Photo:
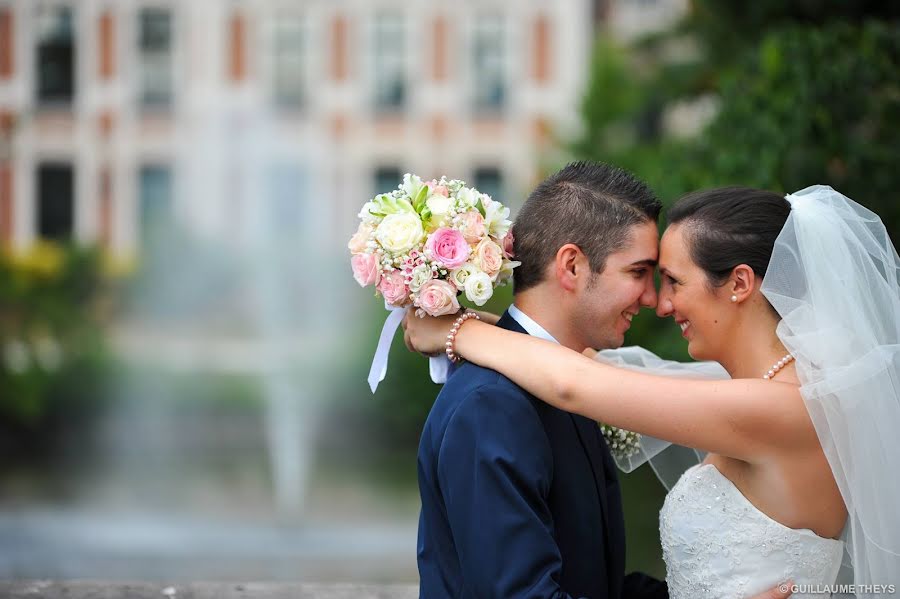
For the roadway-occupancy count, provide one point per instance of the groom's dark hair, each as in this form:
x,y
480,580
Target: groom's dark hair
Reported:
x,y
590,204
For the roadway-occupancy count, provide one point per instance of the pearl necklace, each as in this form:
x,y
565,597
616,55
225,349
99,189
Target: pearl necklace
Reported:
x,y
777,366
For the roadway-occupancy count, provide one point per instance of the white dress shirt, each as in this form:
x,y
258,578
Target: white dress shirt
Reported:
x,y
530,326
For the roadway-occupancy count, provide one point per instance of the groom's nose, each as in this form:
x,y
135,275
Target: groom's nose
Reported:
x,y
649,297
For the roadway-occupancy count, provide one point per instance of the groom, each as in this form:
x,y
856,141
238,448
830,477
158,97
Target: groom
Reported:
x,y
520,499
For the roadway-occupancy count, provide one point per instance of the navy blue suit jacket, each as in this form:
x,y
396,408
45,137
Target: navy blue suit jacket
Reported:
x,y
519,499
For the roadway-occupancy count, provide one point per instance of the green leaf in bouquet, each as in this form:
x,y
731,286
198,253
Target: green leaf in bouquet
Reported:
x,y
386,204
479,205
421,197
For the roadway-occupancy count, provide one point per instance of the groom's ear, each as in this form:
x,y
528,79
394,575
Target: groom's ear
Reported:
x,y
569,265
743,282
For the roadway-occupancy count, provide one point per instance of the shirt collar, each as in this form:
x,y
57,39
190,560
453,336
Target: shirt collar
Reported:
x,y
530,326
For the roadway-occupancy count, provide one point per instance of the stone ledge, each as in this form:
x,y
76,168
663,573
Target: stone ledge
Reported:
x,y
96,589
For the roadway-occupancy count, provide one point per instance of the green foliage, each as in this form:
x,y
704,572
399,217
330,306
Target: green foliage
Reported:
x,y
54,301
814,105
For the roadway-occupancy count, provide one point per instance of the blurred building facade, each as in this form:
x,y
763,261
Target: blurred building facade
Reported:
x,y
107,107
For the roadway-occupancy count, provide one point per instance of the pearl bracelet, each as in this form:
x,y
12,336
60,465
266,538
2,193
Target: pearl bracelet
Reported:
x,y
451,336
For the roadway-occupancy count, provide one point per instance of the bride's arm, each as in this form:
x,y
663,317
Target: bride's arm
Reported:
x,y
488,317
747,419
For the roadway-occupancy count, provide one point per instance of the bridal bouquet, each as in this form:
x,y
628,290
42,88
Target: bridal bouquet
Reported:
x,y
425,244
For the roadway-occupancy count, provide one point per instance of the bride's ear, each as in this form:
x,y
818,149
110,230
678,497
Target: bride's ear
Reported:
x,y
741,284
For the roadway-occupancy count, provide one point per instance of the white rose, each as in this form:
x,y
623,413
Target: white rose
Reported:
x,y
459,275
479,288
420,275
438,205
399,233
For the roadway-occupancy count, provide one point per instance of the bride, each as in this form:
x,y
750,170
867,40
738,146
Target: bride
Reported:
x,y
798,299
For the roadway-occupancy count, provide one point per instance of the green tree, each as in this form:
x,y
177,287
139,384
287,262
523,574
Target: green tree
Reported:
x,y
54,302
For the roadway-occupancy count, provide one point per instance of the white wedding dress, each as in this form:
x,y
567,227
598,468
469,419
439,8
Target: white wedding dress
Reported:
x,y
717,544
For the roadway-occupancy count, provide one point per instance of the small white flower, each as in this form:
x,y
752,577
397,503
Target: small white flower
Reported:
x,y
411,185
496,219
420,275
479,288
623,444
466,197
506,272
365,214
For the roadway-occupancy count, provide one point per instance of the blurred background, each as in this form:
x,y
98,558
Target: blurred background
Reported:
x,y
183,352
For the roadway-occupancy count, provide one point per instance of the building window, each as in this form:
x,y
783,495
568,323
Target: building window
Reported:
x,y
155,55
387,178
289,57
489,180
390,68
56,201
489,64
55,55
155,206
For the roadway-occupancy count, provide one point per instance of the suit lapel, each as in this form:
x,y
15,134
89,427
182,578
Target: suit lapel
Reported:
x,y
590,441
587,433
588,437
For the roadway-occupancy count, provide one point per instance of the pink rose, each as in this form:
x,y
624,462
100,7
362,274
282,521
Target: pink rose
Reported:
x,y
449,247
508,243
473,226
437,298
360,239
393,287
365,269
489,258
436,189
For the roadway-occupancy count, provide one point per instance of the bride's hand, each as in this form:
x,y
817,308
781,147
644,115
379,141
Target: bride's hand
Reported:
x,y
782,591
427,335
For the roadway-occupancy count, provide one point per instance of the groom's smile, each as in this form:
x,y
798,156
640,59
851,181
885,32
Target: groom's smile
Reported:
x,y
615,295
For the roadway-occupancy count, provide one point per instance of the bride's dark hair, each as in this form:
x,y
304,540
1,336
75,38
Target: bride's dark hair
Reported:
x,y
729,226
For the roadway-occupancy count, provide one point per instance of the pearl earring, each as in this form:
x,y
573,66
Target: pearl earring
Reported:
x,y
733,298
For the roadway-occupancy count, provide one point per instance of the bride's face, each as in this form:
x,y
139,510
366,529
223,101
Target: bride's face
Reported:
x,y
704,313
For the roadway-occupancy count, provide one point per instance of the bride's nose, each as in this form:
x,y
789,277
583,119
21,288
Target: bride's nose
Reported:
x,y
664,306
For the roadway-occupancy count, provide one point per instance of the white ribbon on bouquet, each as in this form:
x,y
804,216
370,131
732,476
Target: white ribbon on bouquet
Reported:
x,y
438,366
